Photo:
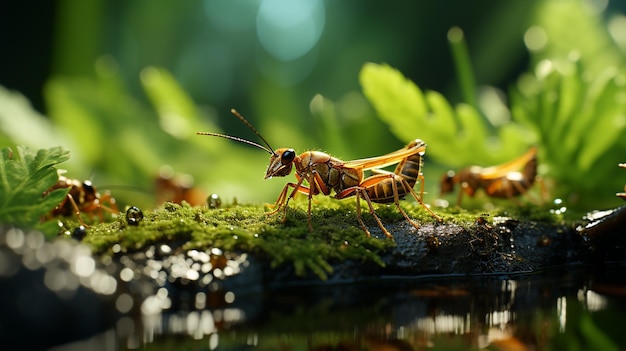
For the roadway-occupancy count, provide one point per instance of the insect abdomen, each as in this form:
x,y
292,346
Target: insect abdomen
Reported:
x,y
410,169
406,174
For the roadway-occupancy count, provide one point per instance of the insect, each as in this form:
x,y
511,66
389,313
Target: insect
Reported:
x,y
177,188
502,181
324,173
82,198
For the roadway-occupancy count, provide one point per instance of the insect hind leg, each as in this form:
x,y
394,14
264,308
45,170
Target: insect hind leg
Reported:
x,y
358,192
419,198
363,192
396,198
76,209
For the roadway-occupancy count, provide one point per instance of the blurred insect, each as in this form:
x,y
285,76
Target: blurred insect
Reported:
x,y
82,198
177,188
324,173
502,181
622,195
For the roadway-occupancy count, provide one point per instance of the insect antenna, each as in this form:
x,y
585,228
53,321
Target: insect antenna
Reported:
x,y
268,149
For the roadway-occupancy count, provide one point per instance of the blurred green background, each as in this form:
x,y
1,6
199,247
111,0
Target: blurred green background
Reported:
x,y
124,85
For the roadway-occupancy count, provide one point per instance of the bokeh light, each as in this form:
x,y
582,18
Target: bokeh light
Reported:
x,y
289,29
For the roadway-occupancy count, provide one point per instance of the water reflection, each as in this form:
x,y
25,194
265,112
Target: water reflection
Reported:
x,y
551,310
168,297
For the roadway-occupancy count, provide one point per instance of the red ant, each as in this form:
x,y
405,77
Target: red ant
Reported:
x,y
82,198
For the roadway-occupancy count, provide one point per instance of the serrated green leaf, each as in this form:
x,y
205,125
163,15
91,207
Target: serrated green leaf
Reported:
x,y
398,101
391,89
579,117
442,121
458,136
470,121
24,177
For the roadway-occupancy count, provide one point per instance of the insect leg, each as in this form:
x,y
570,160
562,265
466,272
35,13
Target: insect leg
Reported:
x,y
371,207
283,200
359,191
459,197
70,198
419,198
358,214
111,205
396,197
102,203
316,185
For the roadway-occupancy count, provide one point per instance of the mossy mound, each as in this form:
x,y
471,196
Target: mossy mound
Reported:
x,y
336,238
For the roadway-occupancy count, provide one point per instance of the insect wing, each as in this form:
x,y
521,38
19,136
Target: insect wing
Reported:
x,y
502,170
389,159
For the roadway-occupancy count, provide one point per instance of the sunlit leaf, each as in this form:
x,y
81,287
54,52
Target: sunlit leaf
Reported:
x,y
178,114
456,136
578,117
589,39
22,124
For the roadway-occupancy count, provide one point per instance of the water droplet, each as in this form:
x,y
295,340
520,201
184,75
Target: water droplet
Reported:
x,y
79,233
214,201
134,215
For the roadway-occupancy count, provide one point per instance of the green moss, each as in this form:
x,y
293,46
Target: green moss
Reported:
x,y
250,229
336,235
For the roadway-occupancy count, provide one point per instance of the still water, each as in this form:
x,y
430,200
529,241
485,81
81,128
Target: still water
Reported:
x,y
578,308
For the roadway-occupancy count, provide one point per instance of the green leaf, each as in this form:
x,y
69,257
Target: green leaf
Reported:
x,y
22,124
578,118
398,101
177,112
457,136
24,178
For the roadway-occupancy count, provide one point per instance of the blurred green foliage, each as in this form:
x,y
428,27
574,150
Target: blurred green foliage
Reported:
x,y
577,121
127,141
573,109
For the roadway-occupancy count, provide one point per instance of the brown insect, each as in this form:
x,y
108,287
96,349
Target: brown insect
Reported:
x,y
82,198
502,181
177,188
324,173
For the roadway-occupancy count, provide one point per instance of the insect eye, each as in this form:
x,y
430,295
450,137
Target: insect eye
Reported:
x,y
87,186
287,156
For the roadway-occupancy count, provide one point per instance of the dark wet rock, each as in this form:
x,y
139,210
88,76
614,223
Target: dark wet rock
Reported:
x,y
506,246
603,232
